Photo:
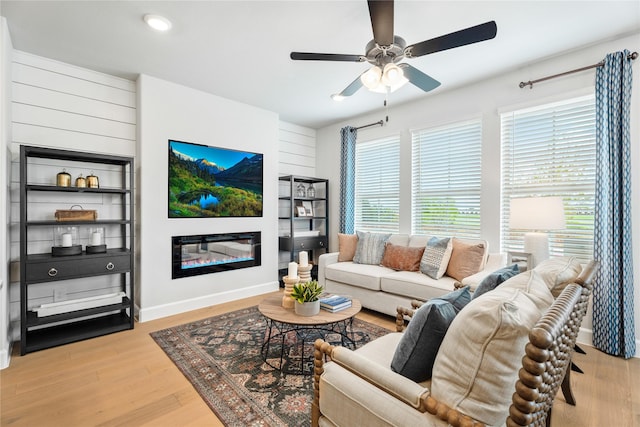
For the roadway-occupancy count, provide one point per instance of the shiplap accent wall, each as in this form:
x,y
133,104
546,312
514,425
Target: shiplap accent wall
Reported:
x,y
296,150
58,105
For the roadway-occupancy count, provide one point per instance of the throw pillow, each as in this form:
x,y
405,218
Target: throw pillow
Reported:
x,y
346,246
490,282
436,257
420,342
370,247
402,258
559,272
477,365
465,259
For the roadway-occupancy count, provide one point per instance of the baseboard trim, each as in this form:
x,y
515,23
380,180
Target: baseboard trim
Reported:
x,y
165,310
585,336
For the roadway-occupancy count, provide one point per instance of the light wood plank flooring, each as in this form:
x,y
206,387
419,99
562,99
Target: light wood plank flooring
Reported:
x,y
125,379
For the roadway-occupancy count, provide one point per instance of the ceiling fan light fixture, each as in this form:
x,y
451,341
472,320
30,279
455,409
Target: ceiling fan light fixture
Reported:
x,y
157,22
371,78
337,97
393,76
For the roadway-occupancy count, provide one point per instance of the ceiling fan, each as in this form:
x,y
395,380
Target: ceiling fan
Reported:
x,y
386,50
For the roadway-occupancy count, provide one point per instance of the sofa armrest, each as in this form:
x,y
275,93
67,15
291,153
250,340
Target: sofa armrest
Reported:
x,y
397,386
494,262
323,261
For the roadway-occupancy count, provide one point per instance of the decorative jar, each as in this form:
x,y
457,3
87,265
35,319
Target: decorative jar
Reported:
x,y
63,179
65,241
301,191
96,240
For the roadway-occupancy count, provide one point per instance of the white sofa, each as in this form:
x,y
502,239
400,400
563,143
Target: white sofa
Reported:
x,y
383,289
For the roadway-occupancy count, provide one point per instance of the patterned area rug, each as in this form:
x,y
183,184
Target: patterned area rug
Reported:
x,y
221,356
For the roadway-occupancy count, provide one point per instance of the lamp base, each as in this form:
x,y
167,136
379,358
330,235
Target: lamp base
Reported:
x,y
537,244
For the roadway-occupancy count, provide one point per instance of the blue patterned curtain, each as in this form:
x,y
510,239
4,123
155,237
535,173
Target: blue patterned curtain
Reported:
x,y
613,318
348,137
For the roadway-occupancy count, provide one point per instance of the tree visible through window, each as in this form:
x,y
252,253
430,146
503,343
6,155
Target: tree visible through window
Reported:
x,y
550,151
446,180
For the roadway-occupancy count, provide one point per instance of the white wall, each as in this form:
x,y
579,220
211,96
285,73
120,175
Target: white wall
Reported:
x,y
58,105
296,150
6,50
487,99
170,111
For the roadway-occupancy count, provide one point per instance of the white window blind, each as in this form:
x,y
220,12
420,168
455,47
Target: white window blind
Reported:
x,y
550,151
446,180
377,193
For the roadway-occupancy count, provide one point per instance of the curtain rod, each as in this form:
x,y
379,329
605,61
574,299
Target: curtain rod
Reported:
x,y
530,83
379,122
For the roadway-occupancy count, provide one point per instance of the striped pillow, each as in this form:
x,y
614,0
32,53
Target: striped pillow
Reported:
x,y
370,247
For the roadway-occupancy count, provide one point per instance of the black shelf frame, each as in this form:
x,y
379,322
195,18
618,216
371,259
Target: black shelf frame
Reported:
x,y
38,333
293,244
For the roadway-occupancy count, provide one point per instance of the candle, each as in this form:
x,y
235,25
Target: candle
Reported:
x,y
293,269
95,238
66,240
304,259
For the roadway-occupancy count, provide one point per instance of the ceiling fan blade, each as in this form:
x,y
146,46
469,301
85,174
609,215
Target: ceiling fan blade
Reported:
x,y
464,37
381,13
351,89
418,78
308,56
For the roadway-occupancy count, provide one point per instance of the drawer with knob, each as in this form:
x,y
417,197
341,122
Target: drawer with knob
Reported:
x,y
303,243
43,268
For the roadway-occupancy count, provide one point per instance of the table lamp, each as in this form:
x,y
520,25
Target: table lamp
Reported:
x,y
538,214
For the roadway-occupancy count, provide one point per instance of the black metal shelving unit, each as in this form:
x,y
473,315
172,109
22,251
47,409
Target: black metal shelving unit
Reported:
x,y
293,242
38,333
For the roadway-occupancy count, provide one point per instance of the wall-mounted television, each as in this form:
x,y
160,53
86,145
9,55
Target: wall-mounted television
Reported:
x,y
209,181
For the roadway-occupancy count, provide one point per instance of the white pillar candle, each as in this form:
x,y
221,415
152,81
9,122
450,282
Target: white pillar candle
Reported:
x,y
293,269
304,259
66,240
95,238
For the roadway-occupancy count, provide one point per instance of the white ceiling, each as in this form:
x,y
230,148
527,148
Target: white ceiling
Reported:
x,y
240,49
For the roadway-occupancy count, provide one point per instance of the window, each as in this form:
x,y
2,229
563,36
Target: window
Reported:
x,y
550,151
378,185
446,180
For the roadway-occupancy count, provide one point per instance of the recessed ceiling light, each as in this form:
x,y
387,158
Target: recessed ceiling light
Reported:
x,y
157,22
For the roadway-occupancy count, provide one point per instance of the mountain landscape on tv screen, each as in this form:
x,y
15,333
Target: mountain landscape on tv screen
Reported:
x,y
200,187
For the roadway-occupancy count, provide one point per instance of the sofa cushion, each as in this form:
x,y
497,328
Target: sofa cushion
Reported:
x,y
359,275
559,272
370,247
399,239
490,282
466,259
403,258
415,285
436,257
347,244
477,365
416,352
419,240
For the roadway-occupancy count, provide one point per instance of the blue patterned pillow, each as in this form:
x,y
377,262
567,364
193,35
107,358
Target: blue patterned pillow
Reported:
x,y
416,352
492,281
436,257
370,247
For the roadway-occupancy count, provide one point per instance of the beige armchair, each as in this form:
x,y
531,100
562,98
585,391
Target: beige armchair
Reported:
x,y
358,388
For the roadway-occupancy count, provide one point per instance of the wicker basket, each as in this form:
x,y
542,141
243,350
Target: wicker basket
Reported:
x,y
76,214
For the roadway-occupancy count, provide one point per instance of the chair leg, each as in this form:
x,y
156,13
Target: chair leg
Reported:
x,y
566,388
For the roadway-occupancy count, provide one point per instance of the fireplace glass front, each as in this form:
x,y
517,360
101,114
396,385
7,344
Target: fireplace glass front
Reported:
x,y
212,253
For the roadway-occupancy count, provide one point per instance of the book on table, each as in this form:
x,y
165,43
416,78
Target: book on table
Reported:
x,y
331,302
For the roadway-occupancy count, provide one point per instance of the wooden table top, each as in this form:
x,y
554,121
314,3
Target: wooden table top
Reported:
x,y
272,308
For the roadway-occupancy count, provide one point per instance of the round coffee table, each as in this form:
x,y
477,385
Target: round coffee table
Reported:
x,y
287,333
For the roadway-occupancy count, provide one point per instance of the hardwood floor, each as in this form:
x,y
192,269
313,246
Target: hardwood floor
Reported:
x,y
125,379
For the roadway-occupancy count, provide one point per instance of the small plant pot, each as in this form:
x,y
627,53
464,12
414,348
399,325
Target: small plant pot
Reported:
x,y
307,308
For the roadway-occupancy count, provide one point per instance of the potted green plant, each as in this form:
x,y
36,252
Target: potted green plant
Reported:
x,y
306,296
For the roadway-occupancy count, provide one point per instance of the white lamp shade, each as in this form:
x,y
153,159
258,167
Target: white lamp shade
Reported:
x,y
371,77
537,213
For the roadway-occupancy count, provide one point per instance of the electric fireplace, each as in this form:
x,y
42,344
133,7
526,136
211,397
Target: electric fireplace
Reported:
x,y
212,253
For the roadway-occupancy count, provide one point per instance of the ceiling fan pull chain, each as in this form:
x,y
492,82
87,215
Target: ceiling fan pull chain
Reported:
x,y
386,105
